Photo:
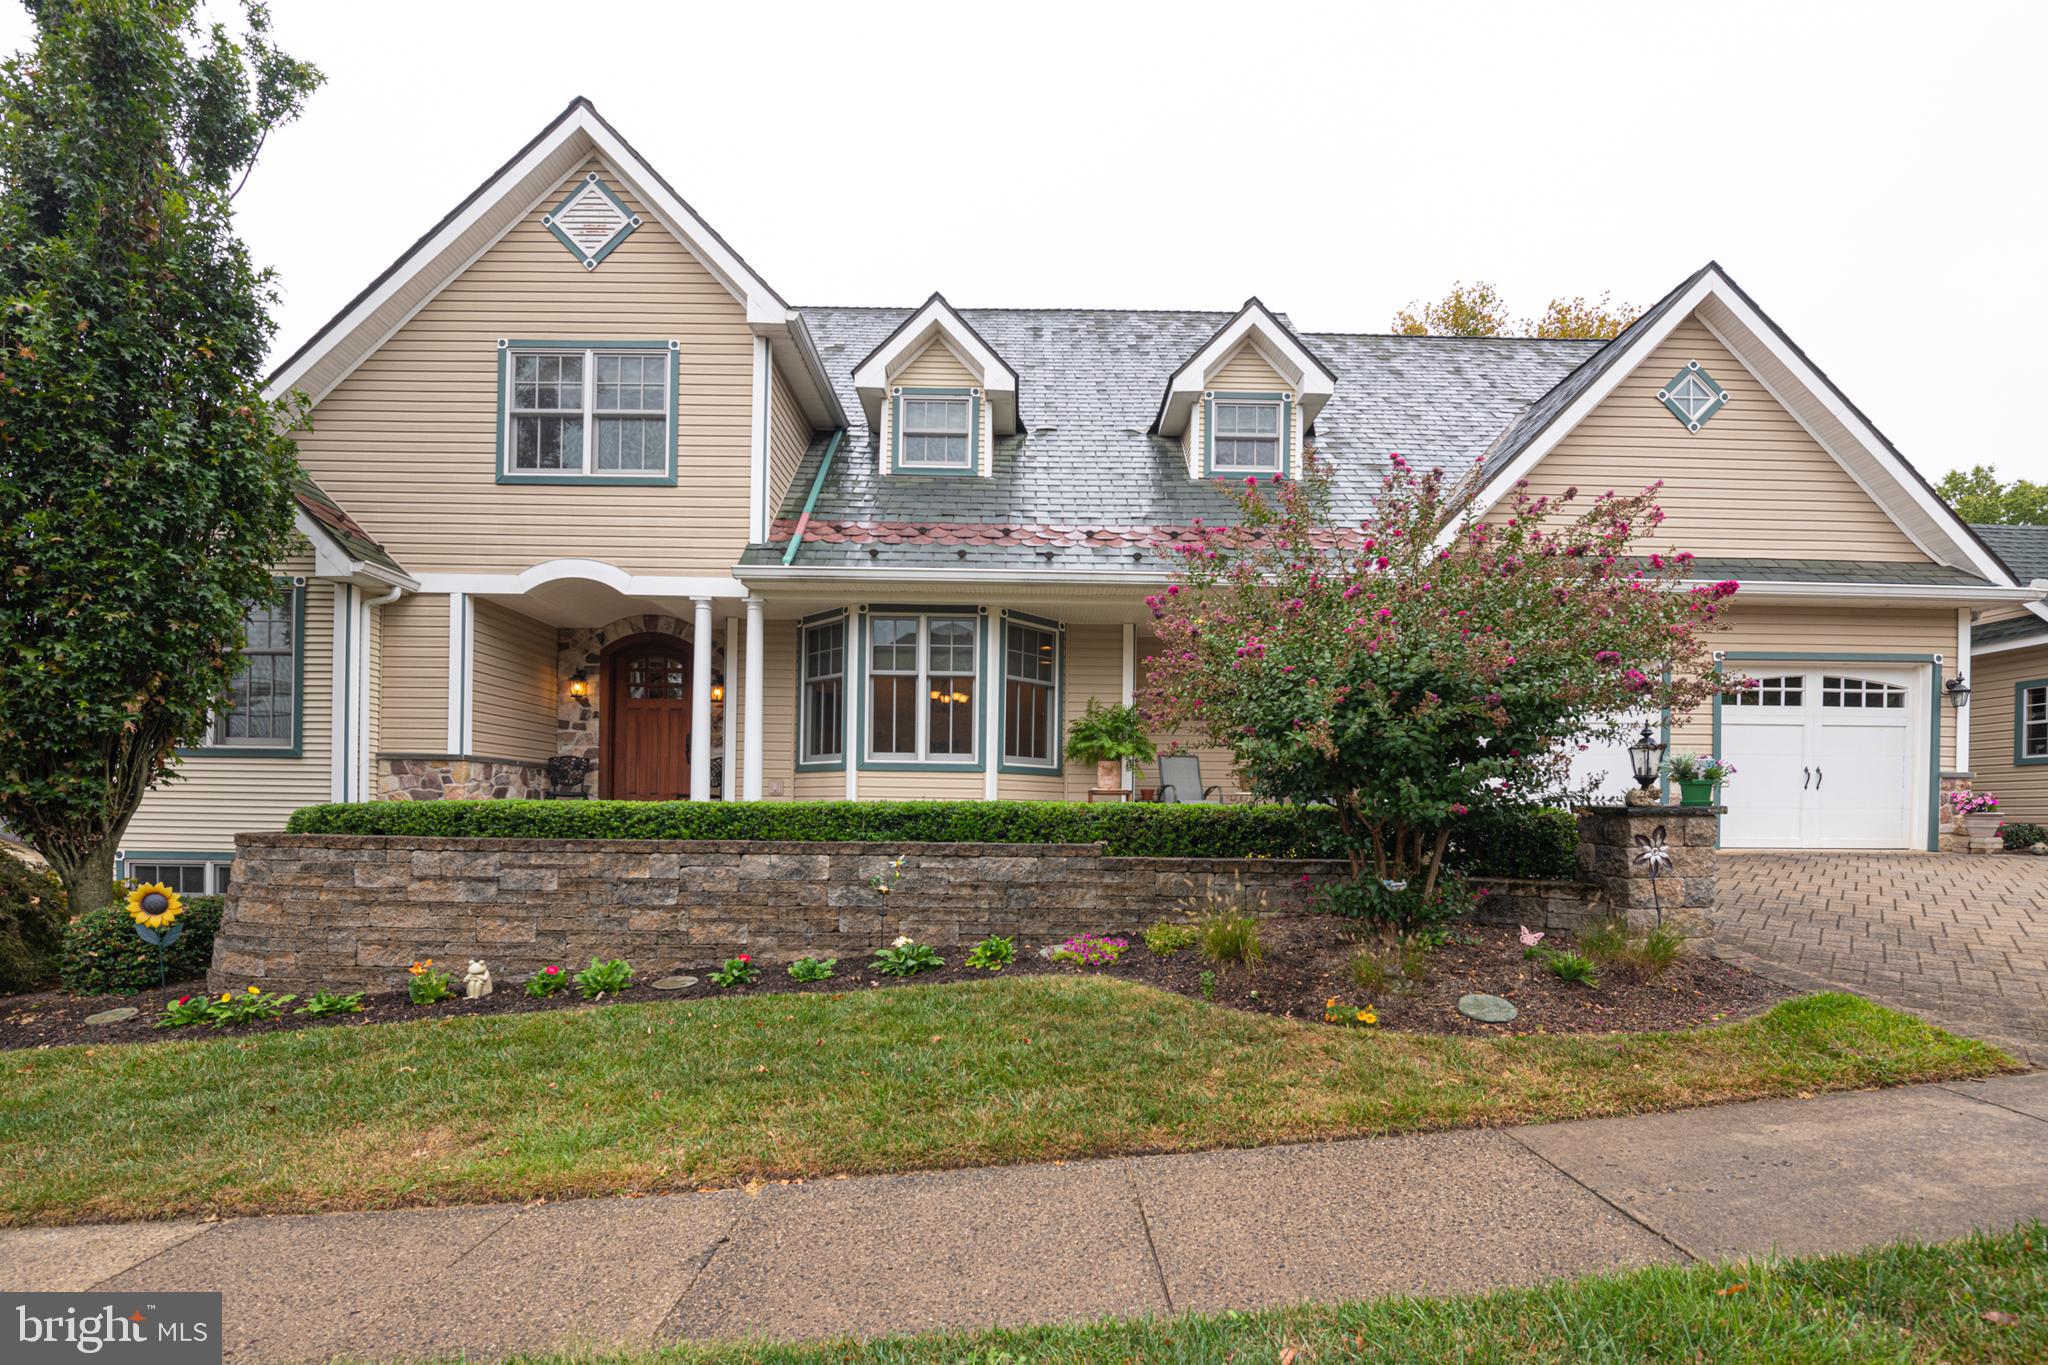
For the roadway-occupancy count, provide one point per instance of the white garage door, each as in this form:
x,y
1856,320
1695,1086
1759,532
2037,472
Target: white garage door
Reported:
x,y
1827,758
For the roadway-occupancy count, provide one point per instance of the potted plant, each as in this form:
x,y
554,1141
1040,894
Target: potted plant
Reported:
x,y
1109,737
1979,813
1697,775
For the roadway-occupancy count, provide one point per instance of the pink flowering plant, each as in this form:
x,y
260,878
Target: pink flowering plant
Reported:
x,y
545,982
1972,803
1423,664
1090,950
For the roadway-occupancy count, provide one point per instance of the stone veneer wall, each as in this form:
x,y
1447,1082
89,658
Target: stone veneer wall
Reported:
x,y
310,911
1609,853
431,778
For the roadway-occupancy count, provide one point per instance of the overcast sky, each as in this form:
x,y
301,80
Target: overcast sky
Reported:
x,y
1871,173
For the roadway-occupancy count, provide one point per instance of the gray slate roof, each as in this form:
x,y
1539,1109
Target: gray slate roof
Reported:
x,y
1836,571
1089,388
2022,627
2023,548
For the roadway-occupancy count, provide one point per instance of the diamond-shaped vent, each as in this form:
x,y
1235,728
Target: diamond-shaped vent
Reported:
x,y
591,222
1693,396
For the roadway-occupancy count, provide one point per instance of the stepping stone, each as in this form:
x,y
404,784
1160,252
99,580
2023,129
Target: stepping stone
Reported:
x,y
120,1015
1487,1009
675,983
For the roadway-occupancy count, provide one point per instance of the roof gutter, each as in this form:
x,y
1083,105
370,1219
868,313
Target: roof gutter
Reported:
x,y
796,540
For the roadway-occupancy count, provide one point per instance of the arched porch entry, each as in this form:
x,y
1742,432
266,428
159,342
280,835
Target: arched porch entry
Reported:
x,y
646,736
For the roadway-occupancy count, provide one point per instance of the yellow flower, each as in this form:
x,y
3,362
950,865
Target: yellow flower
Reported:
x,y
254,991
1367,1017
154,905
226,996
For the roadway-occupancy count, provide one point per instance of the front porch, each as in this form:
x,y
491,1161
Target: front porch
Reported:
x,y
802,695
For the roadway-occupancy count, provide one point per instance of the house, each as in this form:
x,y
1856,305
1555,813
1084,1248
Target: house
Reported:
x,y
579,481
2009,690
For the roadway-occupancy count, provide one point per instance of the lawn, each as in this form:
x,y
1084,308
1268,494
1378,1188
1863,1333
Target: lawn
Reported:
x,y
1983,1298
680,1095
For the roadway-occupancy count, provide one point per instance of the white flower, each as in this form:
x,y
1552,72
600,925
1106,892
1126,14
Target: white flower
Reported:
x,y
902,941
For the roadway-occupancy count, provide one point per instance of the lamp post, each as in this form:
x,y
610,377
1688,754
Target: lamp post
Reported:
x,y
1645,758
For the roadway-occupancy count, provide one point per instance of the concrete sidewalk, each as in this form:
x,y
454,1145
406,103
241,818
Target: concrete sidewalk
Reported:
x,y
1434,1214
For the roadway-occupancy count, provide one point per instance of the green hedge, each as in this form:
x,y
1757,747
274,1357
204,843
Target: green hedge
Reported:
x,y
1526,844
31,924
103,953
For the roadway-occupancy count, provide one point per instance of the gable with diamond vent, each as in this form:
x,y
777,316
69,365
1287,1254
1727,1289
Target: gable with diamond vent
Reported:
x,y
1759,453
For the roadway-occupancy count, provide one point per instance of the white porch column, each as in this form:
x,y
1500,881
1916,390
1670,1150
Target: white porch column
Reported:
x,y
728,773
344,671
1130,695
756,684
700,701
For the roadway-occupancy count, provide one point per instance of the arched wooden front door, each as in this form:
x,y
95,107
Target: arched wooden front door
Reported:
x,y
646,722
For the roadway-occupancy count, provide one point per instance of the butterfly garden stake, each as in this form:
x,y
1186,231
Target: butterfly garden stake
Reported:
x,y
1652,853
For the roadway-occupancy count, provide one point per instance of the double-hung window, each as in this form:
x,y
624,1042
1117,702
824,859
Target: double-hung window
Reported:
x,y
2030,742
264,710
1031,728
824,692
935,432
1246,438
602,412
921,688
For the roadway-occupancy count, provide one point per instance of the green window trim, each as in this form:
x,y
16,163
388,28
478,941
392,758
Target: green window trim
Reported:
x,y
972,469
896,763
847,674
1209,402
297,587
1934,706
664,477
612,243
214,863
1001,673
1686,385
2020,757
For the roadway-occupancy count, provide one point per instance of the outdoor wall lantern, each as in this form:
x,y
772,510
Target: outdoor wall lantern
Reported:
x,y
579,684
718,687
1958,689
1645,758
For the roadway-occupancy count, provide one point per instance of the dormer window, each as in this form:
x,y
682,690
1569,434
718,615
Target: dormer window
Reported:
x,y
1247,437
935,433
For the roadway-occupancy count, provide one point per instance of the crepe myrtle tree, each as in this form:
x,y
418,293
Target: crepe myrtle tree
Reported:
x,y
1423,664
145,480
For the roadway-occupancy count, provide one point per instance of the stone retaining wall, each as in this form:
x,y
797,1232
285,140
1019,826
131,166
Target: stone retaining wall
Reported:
x,y
312,911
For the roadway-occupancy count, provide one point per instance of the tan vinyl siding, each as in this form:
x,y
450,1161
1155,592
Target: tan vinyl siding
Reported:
x,y
936,367
408,442
514,687
373,667
1826,630
920,786
779,777
1094,669
413,700
789,435
1246,371
1750,482
2021,789
216,797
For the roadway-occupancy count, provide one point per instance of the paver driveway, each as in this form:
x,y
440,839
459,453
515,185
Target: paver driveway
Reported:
x,y
1959,938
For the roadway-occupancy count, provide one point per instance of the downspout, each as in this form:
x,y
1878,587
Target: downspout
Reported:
x,y
387,599
796,541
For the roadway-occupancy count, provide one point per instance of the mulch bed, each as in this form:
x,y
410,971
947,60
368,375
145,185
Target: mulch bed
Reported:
x,y
1306,963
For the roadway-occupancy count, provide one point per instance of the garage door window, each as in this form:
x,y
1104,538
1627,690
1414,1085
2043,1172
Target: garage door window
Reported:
x,y
1774,692
2034,722
1861,692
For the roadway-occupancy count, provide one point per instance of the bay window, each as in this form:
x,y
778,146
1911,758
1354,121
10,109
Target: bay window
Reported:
x,y
824,693
922,681
1031,724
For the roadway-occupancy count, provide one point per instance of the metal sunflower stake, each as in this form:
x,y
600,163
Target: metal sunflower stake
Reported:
x,y
1652,853
155,909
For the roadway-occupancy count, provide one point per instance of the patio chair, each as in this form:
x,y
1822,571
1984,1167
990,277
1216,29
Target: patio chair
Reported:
x,y
1180,774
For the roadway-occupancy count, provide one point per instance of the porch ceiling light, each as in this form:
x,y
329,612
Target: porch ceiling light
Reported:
x,y
1958,690
1645,758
